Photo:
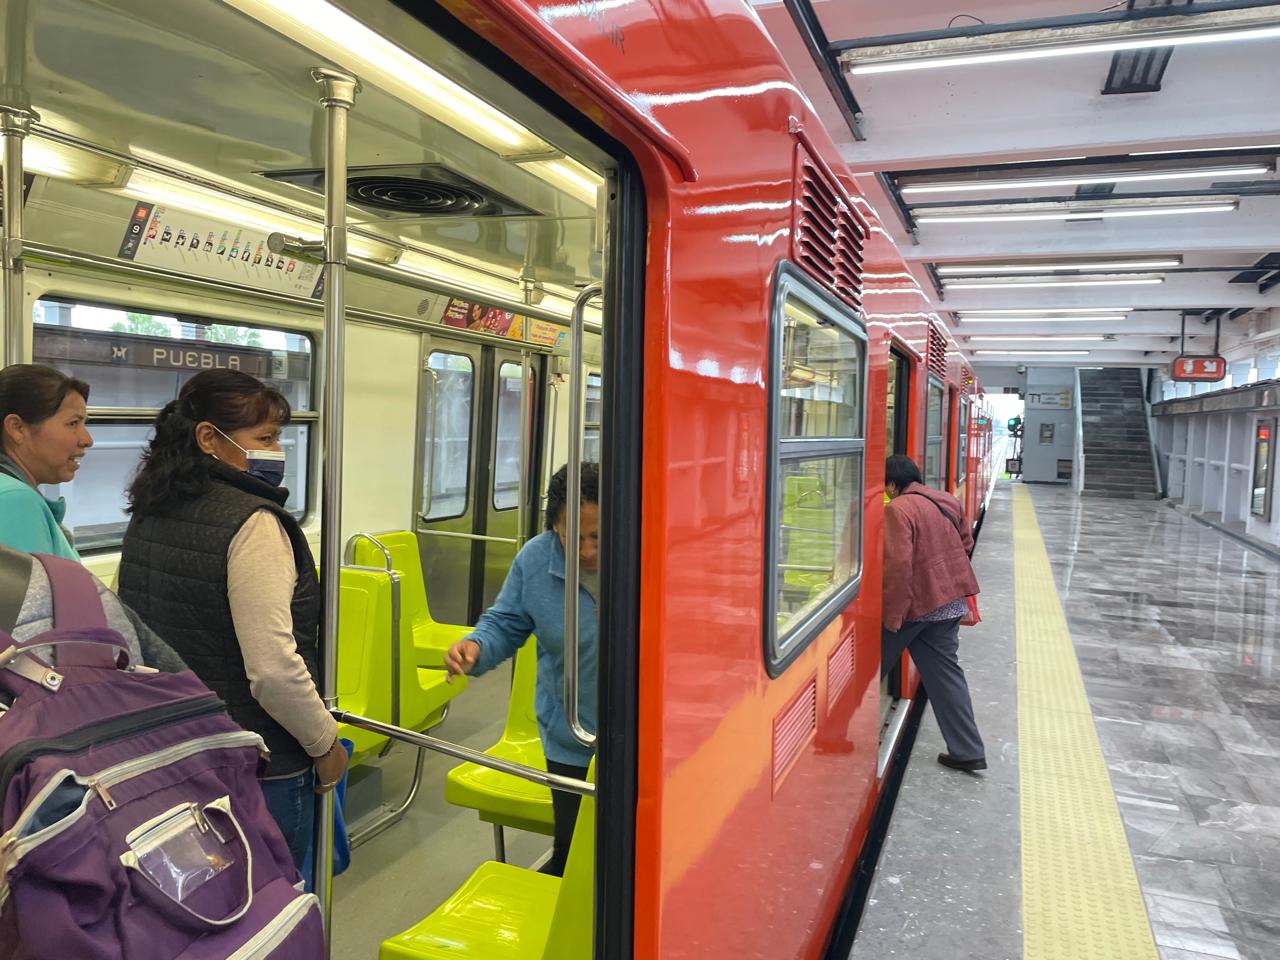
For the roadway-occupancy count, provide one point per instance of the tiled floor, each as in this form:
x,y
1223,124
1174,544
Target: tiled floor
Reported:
x,y
1177,629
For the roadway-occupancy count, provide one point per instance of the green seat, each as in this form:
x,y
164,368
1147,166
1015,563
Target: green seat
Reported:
x,y
508,913
431,640
500,798
809,523
364,661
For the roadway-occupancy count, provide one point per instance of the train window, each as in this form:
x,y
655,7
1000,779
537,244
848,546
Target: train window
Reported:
x,y
447,471
896,404
592,409
506,462
135,362
1264,445
814,525
962,441
935,437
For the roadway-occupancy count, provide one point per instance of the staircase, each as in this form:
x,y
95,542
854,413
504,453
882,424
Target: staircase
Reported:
x,y
1117,447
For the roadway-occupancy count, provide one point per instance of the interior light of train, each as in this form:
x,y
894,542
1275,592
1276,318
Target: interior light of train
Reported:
x,y
338,37
1072,180
158,188
1096,318
1135,40
61,162
987,269
1037,336
1021,284
569,175
1246,146
1164,210
1031,353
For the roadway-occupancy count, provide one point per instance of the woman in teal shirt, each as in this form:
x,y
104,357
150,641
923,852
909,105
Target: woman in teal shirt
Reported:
x,y
42,439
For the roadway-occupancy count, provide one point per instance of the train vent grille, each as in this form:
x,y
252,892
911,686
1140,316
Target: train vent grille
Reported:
x,y
839,670
793,728
937,351
829,235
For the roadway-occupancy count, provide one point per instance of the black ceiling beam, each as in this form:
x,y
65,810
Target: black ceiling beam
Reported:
x,y
1140,71
900,205
824,58
1269,282
1047,23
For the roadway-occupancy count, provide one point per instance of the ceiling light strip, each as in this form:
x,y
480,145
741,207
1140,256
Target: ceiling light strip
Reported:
x,y
1014,216
1030,183
1020,284
989,269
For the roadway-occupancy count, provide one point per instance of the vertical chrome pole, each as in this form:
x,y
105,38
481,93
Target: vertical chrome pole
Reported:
x,y
526,429
338,94
15,124
572,516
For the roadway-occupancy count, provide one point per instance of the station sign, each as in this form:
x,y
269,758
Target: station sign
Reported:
x,y
1199,369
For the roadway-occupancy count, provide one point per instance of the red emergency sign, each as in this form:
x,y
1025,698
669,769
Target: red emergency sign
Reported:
x,y
1199,369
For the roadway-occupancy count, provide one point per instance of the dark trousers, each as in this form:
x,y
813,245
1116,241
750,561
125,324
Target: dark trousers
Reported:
x,y
934,646
292,803
564,806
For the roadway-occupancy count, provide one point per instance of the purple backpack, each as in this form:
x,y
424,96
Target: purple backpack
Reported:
x,y
133,824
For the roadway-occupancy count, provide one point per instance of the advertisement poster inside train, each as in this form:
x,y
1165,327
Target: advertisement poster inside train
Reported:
x,y
546,333
162,236
468,315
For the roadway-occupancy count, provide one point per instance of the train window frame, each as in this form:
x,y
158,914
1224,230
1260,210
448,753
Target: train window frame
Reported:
x,y
1267,462
425,442
112,415
940,438
897,439
792,284
962,440
501,364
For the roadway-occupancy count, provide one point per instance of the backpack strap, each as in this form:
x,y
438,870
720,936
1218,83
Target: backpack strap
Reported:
x,y
76,606
15,577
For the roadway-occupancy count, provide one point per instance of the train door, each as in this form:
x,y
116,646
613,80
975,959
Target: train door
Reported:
x,y
935,434
897,403
473,493
961,467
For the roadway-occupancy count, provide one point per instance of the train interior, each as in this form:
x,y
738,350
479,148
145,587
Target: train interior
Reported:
x,y
171,141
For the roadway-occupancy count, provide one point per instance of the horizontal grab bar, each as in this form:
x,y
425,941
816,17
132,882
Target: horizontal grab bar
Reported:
x,y
552,780
465,536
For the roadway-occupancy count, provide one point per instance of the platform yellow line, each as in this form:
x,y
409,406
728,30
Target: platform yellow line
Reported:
x,y
1080,894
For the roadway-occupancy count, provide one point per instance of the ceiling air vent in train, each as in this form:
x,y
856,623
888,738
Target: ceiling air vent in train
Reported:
x,y
419,190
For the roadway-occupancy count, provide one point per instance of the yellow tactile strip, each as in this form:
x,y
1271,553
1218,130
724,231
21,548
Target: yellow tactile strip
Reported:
x,y
1080,894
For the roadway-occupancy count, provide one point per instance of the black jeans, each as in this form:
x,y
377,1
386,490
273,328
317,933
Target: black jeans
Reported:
x,y
564,806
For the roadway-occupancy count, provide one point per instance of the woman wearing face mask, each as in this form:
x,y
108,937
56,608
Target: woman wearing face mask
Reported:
x,y
215,564
532,602
42,438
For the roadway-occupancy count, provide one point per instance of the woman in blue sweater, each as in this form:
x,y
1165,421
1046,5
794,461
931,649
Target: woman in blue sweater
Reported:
x,y
42,439
532,602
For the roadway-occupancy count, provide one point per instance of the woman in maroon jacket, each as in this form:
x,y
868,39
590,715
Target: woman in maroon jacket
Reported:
x,y
927,576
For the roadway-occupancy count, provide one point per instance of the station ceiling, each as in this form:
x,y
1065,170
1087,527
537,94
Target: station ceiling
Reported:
x,y
1043,183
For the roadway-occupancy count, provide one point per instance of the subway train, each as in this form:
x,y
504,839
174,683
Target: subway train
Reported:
x,y
606,225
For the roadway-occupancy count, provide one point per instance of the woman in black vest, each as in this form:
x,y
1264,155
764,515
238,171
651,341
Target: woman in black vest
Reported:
x,y
215,564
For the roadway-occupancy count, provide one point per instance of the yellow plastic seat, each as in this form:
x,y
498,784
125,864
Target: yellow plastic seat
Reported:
x,y
431,640
364,665
809,521
509,913
500,798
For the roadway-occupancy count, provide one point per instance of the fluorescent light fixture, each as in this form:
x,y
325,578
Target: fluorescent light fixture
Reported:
x,y
1055,311
1087,179
1036,336
49,158
158,188
1231,26
570,176
1098,318
988,269
1020,284
1160,210
342,39
1247,146
1031,353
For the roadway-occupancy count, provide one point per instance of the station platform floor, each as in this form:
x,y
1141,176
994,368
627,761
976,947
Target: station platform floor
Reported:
x,y
1125,681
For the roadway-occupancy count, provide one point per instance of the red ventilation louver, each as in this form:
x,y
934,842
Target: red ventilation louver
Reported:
x,y
828,236
937,352
793,728
839,670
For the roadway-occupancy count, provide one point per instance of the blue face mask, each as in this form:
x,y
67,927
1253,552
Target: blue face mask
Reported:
x,y
265,465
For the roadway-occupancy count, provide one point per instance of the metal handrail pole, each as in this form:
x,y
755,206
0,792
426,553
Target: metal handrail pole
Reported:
x,y
552,781
338,92
573,510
